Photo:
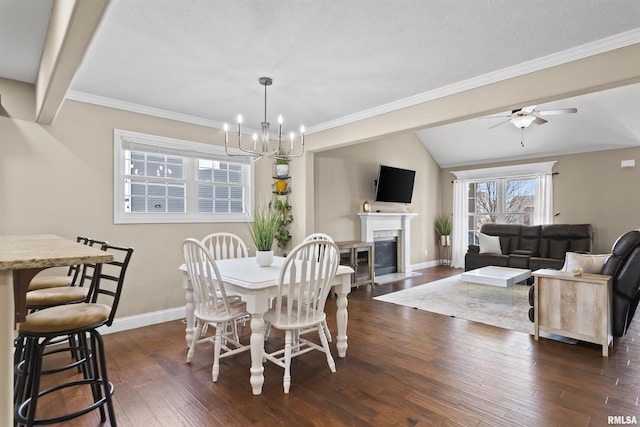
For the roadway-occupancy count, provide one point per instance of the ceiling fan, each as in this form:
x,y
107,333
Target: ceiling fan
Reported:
x,y
523,117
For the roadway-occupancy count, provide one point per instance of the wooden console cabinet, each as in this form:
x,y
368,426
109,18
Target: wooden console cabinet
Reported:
x,y
574,306
359,256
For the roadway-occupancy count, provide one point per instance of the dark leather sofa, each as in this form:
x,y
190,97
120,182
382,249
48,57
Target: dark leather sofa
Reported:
x,y
531,247
624,267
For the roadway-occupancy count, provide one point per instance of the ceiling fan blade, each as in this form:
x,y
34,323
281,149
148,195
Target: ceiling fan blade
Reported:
x,y
560,111
495,117
500,123
539,121
528,109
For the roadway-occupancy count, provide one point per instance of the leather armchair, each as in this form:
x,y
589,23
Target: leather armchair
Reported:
x,y
624,267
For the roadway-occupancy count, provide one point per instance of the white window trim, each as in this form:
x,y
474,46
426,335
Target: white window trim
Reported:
x,y
506,171
459,236
179,147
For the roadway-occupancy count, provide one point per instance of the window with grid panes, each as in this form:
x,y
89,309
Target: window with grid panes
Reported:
x,y
500,200
158,179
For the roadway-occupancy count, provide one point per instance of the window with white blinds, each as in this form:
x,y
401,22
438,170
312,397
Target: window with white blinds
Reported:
x,y
166,180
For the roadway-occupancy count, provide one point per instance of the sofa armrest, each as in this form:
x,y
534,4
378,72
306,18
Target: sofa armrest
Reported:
x,y
473,249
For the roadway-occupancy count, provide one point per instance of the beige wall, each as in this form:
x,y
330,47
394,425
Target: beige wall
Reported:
x,y
589,188
344,180
59,179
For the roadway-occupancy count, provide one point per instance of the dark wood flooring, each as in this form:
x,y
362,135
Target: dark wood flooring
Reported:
x,y
404,367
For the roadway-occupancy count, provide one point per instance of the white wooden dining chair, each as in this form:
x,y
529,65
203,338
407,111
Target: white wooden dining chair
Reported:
x,y
304,282
318,236
212,305
223,245
311,237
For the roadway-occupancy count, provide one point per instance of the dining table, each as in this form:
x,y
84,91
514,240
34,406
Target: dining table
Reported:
x,y
21,258
256,286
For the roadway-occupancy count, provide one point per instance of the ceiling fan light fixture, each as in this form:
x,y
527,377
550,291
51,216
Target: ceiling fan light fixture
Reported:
x,y
522,121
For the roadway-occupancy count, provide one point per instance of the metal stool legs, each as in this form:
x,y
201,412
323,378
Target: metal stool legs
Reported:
x,y
94,374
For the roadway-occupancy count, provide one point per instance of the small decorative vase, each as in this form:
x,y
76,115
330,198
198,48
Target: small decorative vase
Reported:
x,y
264,258
366,206
281,186
282,170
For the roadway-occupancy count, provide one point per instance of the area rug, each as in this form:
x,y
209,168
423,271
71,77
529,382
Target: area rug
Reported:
x,y
505,308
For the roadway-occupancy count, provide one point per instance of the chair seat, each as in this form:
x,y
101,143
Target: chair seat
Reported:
x,y
308,317
56,296
206,313
46,282
63,318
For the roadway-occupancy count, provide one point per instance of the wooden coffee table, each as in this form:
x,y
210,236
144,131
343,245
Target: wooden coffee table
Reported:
x,y
496,276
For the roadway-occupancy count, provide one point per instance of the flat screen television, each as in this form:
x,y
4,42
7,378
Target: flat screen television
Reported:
x,y
394,184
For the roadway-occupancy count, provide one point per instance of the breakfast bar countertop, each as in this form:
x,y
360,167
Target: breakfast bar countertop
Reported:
x,y
22,251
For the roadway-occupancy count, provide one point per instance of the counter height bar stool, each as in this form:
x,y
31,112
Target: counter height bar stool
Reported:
x,y
73,273
76,292
79,320
50,296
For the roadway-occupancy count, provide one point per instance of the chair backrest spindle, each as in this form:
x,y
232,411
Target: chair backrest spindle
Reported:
x,y
305,280
225,246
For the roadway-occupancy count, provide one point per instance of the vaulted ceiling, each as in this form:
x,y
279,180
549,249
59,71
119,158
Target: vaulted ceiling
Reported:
x,y
335,63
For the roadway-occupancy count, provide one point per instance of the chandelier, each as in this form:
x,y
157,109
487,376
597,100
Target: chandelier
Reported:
x,y
263,146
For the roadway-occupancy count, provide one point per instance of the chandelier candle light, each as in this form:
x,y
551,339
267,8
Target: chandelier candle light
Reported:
x,y
264,148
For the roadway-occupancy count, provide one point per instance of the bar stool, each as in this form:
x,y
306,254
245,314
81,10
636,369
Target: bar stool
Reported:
x,y
46,282
76,291
51,295
80,321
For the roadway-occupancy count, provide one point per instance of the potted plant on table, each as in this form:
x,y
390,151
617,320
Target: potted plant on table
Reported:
x,y
263,229
443,227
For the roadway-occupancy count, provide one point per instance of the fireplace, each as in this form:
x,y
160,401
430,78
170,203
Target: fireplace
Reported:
x,y
386,255
379,227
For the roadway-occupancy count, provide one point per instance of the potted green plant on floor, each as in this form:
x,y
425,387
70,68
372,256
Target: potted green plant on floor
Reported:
x,y
263,231
443,226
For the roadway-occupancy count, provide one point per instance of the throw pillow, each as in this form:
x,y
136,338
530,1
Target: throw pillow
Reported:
x,y
489,244
591,264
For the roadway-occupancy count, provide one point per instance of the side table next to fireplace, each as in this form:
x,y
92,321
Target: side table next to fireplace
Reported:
x,y
359,256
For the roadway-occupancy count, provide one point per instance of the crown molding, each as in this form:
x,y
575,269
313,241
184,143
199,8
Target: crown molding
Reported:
x,y
597,47
600,46
131,107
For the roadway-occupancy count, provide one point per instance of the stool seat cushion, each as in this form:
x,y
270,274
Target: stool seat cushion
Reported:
x,y
45,282
56,296
65,318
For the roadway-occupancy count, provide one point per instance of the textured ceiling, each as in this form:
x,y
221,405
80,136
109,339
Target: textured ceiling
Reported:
x,y
332,62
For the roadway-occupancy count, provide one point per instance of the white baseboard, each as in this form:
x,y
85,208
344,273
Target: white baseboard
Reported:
x,y
422,265
146,319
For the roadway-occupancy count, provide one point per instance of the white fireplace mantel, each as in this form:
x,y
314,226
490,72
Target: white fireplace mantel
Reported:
x,y
393,221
